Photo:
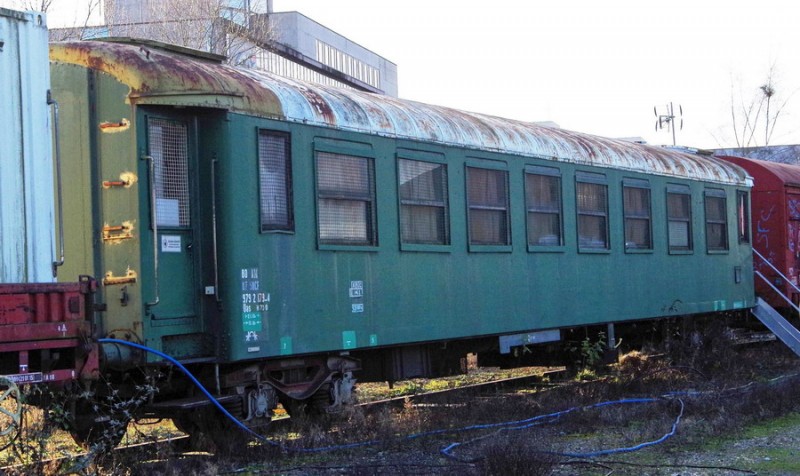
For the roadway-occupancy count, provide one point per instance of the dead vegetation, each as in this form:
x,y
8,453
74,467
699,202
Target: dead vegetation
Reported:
x,y
717,390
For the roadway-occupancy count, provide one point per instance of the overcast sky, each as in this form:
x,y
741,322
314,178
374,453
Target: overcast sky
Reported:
x,y
596,67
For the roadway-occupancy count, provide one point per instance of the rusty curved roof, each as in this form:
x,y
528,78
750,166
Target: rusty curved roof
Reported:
x,y
159,76
768,175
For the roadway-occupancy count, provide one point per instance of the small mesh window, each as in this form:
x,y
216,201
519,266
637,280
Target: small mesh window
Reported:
x,y
274,173
637,218
487,198
345,199
592,215
423,202
168,142
716,223
543,198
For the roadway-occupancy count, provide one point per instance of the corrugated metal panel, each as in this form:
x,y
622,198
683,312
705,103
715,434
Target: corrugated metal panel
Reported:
x,y
26,168
166,77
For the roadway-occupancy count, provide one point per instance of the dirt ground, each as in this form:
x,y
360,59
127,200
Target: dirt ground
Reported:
x,y
721,411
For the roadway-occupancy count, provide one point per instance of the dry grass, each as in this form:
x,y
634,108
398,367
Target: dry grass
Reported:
x,y
708,412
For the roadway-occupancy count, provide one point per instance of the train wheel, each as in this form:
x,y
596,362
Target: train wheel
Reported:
x,y
10,408
198,439
93,430
315,405
212,431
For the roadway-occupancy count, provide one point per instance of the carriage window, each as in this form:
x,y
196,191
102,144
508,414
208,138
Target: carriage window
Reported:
x,y
275,186
592,205
679,216
168,141
636,207
346,200
423,202
743,215
543,201
716,221
487,200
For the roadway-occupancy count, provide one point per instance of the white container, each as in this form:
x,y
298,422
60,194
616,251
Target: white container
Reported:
x,y
27,243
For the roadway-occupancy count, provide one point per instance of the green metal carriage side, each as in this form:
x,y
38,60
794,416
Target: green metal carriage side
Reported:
x,y
209,282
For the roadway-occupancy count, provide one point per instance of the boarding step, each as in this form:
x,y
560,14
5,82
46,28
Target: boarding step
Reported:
x,y
783,329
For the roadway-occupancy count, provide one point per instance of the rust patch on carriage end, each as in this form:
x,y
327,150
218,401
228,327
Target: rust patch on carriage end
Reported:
x,y
179,77
112,127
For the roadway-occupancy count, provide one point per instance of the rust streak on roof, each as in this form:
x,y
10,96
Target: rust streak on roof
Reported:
x,y
169,77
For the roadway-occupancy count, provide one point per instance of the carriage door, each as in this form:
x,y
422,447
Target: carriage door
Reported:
x,y
174,262
793,242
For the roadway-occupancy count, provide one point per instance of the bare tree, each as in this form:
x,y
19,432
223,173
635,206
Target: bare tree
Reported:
x,y
33,5
45,6
217,26
760,113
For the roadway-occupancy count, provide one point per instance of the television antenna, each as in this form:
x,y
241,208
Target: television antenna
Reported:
x,y
668,120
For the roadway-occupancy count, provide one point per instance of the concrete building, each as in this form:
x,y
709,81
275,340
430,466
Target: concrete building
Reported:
x,y
319,44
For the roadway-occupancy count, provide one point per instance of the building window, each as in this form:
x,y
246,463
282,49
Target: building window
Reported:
x,y
330,56
275,181
543,202
716,221
679,219
636,207
487,201
743,211
346,200
592,198
423,202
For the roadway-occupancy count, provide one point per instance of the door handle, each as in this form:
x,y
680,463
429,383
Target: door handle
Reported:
x,y
154,226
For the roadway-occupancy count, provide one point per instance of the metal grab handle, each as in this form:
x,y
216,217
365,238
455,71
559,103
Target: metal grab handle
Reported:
x,y
154,224
214,225
777,271
59,195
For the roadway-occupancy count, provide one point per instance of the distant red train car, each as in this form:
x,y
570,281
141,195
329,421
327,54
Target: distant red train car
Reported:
x,y
776,228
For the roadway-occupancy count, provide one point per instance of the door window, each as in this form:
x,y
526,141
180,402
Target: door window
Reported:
x,y
168,148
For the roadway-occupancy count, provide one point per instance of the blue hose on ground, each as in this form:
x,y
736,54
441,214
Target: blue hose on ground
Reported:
x,y
549,418
193,379
219,406
503,426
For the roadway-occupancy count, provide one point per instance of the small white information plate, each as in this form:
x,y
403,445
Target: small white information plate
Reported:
x,y
170,244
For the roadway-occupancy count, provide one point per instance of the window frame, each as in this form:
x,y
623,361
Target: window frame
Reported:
x,y
474,246
531,208
743,220
684,191
716,194
627,215
370,198
432,159
289,226
592,178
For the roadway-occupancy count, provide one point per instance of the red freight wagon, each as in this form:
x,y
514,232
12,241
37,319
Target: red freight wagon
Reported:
x,y
776,228
45,333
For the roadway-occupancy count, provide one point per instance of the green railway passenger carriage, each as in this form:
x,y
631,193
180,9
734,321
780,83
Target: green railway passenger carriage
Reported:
x,y
277,236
